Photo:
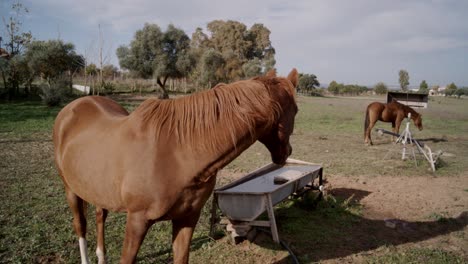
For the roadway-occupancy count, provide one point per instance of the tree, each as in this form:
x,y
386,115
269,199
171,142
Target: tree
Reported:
x,y
333,88
252,68
144,49
15,42
175,61
451,89
199,43
229,36
261,47
56,62
211,68
423,87
461,91
4,68
308,83
239,45
109,71
91,69
380,88
51,59
154,54
126,59
404,80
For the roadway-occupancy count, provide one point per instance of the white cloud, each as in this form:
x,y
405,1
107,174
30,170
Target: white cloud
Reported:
x,y
325,36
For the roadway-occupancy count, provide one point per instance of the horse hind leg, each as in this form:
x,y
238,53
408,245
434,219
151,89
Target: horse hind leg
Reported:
x,y
78,208
101,215
368,139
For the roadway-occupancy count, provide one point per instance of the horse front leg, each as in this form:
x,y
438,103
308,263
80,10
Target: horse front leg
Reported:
x,y
135,231
101,215
182,231
394,130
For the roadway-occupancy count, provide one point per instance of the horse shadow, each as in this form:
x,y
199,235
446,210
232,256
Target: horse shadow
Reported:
x,y
433,140
333,230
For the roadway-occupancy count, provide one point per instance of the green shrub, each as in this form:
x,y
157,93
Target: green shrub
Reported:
x,y
108,87
55,92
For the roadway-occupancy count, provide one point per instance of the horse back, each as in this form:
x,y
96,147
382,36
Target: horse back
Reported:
x,y
83,116
85,111
375,109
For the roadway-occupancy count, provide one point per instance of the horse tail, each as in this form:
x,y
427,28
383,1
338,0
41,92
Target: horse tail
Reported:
x,y
366,121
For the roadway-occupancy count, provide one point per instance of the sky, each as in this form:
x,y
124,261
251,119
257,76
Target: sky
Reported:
x,y
353,42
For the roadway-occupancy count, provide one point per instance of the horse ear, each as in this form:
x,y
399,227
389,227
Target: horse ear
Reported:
x,y
271,73
293,77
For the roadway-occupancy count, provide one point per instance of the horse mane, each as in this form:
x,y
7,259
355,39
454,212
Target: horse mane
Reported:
x,y
196,119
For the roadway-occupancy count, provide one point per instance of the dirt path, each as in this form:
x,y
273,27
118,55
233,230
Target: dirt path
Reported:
x,y
406,198
408,207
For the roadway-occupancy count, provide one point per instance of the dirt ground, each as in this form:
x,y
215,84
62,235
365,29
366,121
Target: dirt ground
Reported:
x,y
407,205
410,212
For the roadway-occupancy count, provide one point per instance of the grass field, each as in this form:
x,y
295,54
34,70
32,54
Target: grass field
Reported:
x,y
35,222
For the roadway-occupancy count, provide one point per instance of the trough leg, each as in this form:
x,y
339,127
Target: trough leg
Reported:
x,y
271,216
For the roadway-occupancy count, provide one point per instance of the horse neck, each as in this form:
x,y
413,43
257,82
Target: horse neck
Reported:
x,y
414,114
208,144
211,159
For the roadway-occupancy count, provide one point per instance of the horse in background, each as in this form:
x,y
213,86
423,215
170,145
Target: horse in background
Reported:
x,y
393,112
160,162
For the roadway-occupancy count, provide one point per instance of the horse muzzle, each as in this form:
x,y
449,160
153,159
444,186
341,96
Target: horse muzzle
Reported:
x,y
282,156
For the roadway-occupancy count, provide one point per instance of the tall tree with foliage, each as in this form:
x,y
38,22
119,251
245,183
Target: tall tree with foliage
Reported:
x,y
239,46
261,46
451,89
461,91
109,71
144,50
403,79
53,58
333,88
56,62
156,54
252,68
308,83
15,41
423,87
212,68
229,39
229,36
380,88
175,60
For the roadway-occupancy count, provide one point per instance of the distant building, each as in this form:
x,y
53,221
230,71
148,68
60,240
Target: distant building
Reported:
x,y
437,91
408,98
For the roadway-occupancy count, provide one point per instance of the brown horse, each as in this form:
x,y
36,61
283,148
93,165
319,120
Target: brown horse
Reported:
x,y
160,162
393,112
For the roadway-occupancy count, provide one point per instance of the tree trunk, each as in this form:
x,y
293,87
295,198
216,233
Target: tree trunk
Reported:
x,y
71,83
162,84
5,86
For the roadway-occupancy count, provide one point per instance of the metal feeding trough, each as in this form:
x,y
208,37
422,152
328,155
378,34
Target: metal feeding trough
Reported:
x,y
244,200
